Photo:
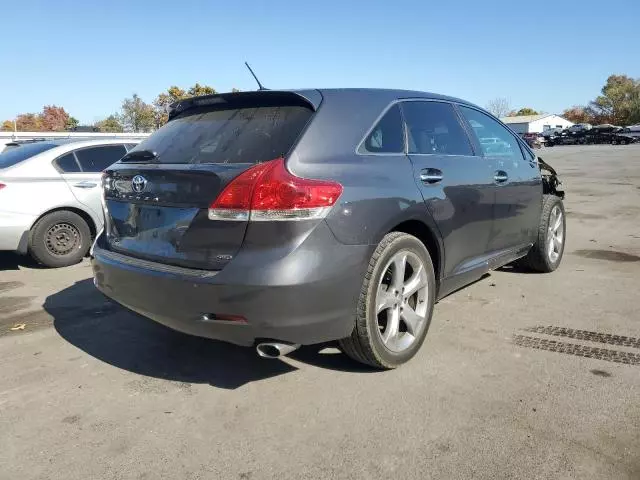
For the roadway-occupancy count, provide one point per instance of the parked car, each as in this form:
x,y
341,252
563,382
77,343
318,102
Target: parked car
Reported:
x,y
280,218
566,137
551,132
625,136
534,140
50,197
579,127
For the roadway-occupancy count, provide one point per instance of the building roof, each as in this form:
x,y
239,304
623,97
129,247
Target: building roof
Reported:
x,y
525,118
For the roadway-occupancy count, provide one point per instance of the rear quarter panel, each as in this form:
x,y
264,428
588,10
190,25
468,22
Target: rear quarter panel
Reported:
x,y
379,190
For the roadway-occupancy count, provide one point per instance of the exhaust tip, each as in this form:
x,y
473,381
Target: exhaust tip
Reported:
x,y
275,349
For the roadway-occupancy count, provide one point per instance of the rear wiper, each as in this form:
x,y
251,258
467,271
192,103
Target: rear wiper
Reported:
x,y
140,155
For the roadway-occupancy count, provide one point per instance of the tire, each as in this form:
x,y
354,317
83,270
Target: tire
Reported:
x,y
366,343
540,258
59,239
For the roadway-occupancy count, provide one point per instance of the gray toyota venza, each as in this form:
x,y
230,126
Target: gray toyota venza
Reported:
x,y
284,218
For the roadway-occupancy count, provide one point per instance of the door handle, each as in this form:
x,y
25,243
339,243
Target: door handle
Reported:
x,y
431,175
500,176
85,184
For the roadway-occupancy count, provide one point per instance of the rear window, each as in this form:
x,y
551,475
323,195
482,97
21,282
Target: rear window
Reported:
x,y
96,159
16,155
67,164
250,134
387,136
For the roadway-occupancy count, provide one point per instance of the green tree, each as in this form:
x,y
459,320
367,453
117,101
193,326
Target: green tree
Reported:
x,y
137,116
172,95
198,90
72,123
111,124
525,111
175,94
163,101
619,102
7,126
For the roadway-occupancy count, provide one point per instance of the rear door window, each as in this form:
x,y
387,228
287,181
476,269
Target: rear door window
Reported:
x,y
433,128
247,134
387,136
67,164
495,140
96,159
16,155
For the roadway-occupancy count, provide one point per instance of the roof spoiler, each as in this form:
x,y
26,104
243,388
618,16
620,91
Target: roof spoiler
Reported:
x,y
307,98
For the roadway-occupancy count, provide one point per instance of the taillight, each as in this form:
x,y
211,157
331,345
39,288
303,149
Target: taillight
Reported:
x,y
269,192
2,185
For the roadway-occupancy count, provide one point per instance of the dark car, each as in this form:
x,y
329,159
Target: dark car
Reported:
x,y
280,218
566,137
625,136
599,134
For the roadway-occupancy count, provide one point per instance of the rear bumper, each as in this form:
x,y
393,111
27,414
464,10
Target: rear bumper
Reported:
x,y
14,228
307,296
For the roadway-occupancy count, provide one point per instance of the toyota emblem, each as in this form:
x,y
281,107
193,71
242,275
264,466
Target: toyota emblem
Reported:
x,y
138,183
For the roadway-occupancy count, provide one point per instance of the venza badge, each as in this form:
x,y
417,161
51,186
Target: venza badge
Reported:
x,y
138,183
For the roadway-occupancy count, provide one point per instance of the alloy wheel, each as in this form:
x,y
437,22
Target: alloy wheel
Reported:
x,y
555,236
402,301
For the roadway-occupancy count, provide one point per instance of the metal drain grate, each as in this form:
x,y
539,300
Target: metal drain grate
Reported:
x,y
587,335
579,350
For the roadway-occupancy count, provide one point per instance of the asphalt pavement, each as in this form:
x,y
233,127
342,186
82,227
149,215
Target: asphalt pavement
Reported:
x,y
521,376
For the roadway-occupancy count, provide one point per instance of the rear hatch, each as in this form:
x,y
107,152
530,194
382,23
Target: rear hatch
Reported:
x,y
157,197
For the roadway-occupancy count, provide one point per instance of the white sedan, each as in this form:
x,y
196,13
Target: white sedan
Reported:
x,y
50,204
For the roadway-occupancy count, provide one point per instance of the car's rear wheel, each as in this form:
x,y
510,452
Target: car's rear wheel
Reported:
x,y
59,239
395,305
545,256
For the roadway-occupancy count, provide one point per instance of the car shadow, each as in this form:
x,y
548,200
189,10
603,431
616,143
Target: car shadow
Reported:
x,y
13,261
516,268
107,331
327,355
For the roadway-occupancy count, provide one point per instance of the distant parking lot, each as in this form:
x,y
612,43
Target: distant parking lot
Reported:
x,y
521,375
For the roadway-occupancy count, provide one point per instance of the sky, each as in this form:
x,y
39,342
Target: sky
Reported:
x,y
88,55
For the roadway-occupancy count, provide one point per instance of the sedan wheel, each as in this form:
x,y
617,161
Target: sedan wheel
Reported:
x,y
59,239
